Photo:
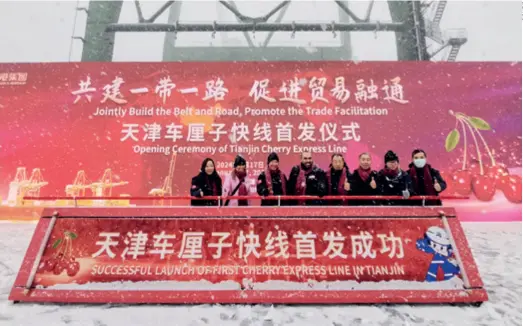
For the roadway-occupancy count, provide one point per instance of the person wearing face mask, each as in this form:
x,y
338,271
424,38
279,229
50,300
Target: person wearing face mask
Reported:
x,y
363,182
206,183
338,177
272,182
307,179
393,181
426,180
237,183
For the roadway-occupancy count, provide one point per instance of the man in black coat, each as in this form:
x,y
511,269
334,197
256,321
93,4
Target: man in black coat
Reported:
x,y
363,182
426,180
338,177
393,181
307,179
272,181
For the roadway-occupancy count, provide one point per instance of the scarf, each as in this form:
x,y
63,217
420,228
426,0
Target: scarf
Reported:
x,y
427,178
341,183
301,182
242,191
269,174
211,182
391,174
364,173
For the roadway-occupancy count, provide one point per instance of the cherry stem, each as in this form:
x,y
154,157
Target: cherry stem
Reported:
x,y
492,160
475,142
464,144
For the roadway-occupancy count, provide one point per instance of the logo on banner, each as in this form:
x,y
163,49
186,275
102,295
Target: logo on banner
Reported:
x,y
13,78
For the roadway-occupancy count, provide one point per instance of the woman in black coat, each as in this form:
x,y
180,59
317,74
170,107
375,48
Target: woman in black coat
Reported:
x,y
272,182
206,183
363,182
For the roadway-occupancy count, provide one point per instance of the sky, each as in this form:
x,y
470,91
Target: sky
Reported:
x,y
41,31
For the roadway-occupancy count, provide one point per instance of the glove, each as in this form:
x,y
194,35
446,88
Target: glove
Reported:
x,y
406,194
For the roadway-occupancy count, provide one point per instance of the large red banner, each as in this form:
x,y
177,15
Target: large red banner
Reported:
x,y
242,249
131,118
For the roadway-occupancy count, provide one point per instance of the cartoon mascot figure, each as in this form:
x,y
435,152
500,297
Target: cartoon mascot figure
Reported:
x,y
437,243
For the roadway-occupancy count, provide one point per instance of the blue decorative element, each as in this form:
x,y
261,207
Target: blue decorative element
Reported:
x,y
437,243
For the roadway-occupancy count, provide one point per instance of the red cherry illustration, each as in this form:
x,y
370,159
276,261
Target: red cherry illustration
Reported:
x,y
462,182
498,171
511,187
484,187
73,269
58,268
50,264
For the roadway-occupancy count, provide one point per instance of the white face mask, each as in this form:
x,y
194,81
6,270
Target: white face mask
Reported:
x,y
420,162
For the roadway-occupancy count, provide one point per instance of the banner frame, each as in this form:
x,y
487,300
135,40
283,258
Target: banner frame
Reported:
x,y
475,294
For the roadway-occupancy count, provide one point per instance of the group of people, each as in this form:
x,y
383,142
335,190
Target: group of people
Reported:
x,y
307,179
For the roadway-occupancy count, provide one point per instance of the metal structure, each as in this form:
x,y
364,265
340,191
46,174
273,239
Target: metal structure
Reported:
x,y
411,22
167,188
451,39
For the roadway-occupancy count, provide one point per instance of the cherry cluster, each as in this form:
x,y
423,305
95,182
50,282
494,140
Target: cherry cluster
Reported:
x,y
484,185
479,178
62,260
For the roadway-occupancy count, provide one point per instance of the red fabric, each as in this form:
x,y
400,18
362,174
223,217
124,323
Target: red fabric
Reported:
x,y
364,173
429,187
390,173
212,185
268,180
242,191
341,183
301,183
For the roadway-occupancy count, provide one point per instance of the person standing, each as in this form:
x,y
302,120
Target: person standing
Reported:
x,y
363,182
307,179
393,181
206,183
426,180
338,177
237,184
272,181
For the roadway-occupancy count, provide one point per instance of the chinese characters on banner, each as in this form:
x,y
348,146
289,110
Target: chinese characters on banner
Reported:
x,y
289,91
241,132
274,244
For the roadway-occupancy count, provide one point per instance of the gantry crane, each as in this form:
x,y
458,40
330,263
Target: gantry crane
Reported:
x,y
166,189
21,186
79,186
104,187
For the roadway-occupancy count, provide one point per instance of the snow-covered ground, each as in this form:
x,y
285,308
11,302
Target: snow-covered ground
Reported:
x,y
496,247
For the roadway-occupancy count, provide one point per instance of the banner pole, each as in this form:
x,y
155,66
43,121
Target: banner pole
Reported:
x,y
456,251
40,253
279,201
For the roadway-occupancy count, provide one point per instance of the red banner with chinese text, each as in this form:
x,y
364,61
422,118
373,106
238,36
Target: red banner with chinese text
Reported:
x,y
243,252
130,118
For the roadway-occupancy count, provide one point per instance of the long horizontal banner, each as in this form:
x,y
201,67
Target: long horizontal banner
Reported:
x,y
196,251
131,118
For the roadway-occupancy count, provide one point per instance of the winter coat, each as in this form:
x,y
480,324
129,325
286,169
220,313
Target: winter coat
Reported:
x,y
230,183
201,182
419,187
394,187
316,185
359,187
278,186
335,176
